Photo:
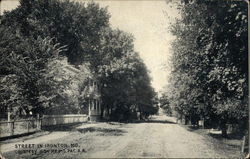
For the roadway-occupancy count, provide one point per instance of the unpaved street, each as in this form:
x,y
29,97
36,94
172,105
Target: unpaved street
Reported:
x,y
160,137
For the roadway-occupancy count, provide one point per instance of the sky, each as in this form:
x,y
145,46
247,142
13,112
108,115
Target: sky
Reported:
x,y
149,23
8,5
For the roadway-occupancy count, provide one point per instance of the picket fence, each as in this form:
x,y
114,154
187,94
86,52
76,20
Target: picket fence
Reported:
x,y
19,127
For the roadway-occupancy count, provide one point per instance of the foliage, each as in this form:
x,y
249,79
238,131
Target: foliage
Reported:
x,y
165,104
209,57
76,25
30,50
24,62
64,87
32,53
125,82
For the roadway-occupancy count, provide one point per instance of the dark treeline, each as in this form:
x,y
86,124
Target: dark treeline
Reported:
x,y
39,32
209,79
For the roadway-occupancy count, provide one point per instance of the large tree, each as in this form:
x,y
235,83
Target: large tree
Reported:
x,y
23,63
29,47
40,29
210,60
76,25
126,87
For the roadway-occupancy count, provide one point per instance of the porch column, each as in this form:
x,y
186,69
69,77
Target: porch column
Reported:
x,y
89,103
96,105
99,105
93,104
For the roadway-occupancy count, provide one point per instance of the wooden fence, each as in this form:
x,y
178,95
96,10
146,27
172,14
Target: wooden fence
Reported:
x,y
19,127
63,119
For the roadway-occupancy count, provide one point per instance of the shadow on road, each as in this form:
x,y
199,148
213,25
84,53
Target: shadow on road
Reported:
x,y
103,131
232,136
156,121
64,127
192,128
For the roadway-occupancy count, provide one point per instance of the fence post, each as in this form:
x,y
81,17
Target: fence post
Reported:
x,y
9,123
243,144
8,116
40,122
12,127
28,125
37,122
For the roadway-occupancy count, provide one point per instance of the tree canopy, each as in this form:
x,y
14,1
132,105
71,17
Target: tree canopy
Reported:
x,y
209,60
76,25
126,87
37,35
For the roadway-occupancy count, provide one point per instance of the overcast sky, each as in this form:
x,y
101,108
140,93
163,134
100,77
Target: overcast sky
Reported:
x,y
148,22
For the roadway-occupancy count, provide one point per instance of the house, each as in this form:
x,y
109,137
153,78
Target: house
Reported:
x,y
89,91
94,100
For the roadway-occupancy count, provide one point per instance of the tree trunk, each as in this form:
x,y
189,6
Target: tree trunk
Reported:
x,y
224,132
181,118
186,120
223,129
102,109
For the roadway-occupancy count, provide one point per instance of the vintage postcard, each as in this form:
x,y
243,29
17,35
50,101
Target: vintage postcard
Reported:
x,y
124,79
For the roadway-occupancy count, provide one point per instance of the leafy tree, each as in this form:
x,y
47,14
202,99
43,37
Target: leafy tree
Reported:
x,y
31,46
210,60
23,63
33,53
75,25
126,87
165,104
65,92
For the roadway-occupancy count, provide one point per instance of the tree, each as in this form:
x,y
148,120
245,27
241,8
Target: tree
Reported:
x,y
165,104
23,64
33,43
45,31
210,60
66,84
75,25
126,87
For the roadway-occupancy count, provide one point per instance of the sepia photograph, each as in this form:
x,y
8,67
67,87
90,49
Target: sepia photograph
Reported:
x,y
124,79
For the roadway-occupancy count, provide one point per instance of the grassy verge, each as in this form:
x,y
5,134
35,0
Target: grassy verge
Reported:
x,y
80,143
230,146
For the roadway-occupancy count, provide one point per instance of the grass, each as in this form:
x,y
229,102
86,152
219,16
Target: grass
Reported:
x,y
230,146
89,139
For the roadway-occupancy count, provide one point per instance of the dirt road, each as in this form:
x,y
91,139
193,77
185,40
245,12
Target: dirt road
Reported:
x,y
160,137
